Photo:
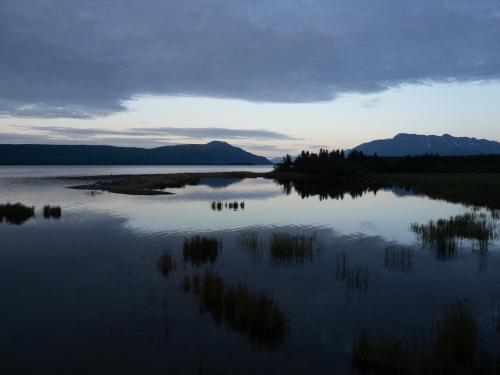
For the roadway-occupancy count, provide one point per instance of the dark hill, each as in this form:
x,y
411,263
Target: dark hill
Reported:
x,y
213,153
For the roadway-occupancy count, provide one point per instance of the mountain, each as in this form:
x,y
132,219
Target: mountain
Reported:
x,y
414,144
212,153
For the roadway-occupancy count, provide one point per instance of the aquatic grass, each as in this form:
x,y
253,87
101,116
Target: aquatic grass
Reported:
x,y
398,259
287,249
219,206
251,244
166,264
442,235
356,277
16,213
451,349
251,314
201,250
54,212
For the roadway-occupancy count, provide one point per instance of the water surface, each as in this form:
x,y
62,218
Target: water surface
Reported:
x,y
274,281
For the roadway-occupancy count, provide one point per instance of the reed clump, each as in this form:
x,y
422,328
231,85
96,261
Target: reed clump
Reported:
x,y
251,244
53,212
201,250
16,213
166,264
398,259
451,349
443,236
356,277
289,248
253,315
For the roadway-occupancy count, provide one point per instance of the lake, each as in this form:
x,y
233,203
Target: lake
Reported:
x,y
243,277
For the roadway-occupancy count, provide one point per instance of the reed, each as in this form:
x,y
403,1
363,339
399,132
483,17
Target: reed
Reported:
x,y
451,349
251,314
166,264
16,213
355,277
289,248
251,244
54,212
443,235
201,250
398,259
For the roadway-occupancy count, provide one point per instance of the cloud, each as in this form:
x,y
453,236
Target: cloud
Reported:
x,y
71,58
189,133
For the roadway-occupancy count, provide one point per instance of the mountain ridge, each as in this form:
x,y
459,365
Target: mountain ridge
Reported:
x,y
406,144
212,153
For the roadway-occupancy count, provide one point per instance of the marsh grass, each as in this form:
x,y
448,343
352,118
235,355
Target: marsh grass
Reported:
x,y
356,277
288,249
445,235
220,206
54,212
252,245
251,314
451,349
398,259
166,264
16,213
201,250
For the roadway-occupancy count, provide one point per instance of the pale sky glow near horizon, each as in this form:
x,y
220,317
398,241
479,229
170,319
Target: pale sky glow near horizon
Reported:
x,y
277,78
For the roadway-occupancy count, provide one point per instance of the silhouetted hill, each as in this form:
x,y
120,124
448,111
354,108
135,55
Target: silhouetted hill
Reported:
x,y
212,153
413,144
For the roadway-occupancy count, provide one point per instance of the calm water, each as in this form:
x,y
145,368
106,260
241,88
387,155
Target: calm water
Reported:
x,y
149,284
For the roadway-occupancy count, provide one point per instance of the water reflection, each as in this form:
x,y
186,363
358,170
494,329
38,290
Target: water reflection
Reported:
x,y
398,259
253,315
201,250
452,349
445,235
329,189
16,213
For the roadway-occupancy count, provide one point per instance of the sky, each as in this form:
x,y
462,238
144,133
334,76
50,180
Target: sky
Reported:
x,y
269,76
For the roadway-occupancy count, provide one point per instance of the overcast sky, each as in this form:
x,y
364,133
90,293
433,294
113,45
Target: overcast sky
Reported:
x,y
271,76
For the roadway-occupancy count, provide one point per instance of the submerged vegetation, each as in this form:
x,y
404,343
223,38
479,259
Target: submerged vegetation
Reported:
x,y
52,212
16,213
398,259
356,277
444,235
287,249
253,315
452,349
201,250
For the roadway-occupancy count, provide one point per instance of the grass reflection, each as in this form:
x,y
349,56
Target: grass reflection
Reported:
x,y
251,244
16,213
166,264
201,250
253,315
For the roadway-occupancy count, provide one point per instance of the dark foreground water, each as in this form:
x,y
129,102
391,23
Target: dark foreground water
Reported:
x,y
243,277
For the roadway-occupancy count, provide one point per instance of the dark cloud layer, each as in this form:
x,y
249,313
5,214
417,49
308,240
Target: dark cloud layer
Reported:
x,y
73,58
